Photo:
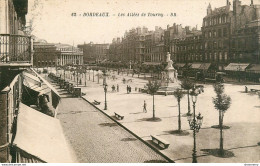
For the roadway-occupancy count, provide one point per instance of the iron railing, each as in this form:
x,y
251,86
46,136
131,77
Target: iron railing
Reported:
x,y
15,48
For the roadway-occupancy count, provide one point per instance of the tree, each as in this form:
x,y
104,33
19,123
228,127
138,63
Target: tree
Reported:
x,y
187,85
153,87
222,103
178,94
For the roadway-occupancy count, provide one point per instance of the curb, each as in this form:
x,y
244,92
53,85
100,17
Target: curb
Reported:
x,y
118,123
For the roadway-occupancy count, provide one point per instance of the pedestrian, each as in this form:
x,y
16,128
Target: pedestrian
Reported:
x,y
144,109
113,88
127,89
246,89
117,88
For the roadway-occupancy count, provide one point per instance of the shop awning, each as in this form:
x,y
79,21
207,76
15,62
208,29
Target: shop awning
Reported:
x,y
31,77
195,65
41,136
237,66
152,63
179,65
205,66
55,95
34,83
255,68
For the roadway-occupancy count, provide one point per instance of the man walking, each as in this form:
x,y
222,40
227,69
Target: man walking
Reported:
x,y
144,109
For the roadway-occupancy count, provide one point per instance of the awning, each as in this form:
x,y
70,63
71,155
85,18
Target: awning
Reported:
x,y
55,95
41,136
35,84
195,65
255,68
237,66
152,63
179,65
205,66
47,83
31,77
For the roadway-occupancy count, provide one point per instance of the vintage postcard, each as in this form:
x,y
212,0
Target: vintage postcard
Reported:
x,y
130,81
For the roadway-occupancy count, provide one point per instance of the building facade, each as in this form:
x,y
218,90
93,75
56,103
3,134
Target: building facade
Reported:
x,y
94,53
45,54
15,56
231,35
68,55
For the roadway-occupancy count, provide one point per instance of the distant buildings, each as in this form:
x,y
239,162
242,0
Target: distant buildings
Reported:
x,y
49,54
94,53
68,55
231,36
45,54
228,35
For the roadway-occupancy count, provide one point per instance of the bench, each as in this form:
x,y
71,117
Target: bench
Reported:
x,y
119,117
160,142
254,90
96,102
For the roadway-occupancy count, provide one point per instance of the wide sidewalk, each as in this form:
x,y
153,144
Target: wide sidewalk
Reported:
x,y
242,117
97,139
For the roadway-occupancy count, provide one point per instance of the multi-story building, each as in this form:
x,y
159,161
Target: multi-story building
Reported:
x,y
45,54
231,36
50,54
138,46
15,56
68,55
94,53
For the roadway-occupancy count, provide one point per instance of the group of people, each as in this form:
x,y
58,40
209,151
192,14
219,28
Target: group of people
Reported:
x,y
128,89
114,89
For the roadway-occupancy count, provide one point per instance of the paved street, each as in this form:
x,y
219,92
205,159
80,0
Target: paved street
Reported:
x,y
242,118
97,139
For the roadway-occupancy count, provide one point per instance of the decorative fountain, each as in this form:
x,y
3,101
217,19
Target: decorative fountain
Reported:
x,y
169,81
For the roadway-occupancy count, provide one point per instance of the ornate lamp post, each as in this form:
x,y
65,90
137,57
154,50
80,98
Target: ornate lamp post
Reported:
x,y
195,123
105,88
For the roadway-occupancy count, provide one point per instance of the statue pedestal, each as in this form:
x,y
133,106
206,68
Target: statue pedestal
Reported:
x,y
169,82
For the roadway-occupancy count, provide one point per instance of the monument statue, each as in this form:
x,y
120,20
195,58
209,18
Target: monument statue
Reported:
x,y
169,79
171,72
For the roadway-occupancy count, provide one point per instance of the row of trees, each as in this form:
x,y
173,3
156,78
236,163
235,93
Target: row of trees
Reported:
x,y
221,102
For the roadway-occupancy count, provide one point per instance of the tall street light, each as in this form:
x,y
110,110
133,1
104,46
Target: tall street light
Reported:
x,y
105,90
194,123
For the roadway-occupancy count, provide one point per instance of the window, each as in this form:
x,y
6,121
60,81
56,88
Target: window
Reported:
x,y
225,56
219,33
215,44
220,56
224,32
214,33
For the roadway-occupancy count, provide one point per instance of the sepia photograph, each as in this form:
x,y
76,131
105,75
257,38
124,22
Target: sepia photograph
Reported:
x,y
130,81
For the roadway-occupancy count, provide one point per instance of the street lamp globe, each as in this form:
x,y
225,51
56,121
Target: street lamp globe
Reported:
x,y
194,95
189,116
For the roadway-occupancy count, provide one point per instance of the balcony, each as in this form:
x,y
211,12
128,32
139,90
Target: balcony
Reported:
x,y
15,50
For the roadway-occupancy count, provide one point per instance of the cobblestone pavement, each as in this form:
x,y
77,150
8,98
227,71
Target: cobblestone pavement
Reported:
x,y
97,139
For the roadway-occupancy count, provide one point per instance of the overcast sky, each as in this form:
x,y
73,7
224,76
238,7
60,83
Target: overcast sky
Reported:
x,y
52,19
